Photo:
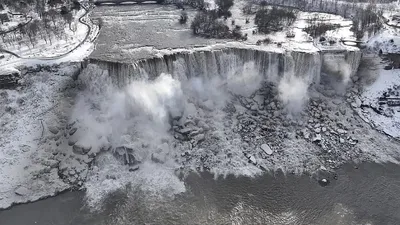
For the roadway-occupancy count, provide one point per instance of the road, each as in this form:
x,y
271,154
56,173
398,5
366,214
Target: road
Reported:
x,y
81,20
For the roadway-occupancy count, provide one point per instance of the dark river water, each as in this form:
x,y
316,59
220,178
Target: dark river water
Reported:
x,y
368,193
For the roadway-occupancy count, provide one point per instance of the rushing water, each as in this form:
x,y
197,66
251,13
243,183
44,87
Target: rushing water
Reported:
x,y
366,194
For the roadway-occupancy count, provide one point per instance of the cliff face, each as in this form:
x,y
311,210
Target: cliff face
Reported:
x,y
226,62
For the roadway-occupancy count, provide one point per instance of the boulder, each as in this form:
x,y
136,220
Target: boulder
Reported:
x,y
134,168
53,129
266,149
323,182
252,159
9,77
71,142
317,138
72,131
21,191
81,149
130,159
341,131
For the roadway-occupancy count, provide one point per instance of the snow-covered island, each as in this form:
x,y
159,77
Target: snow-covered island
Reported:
x,y
98,95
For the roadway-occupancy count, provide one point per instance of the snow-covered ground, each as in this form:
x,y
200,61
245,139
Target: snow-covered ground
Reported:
x,y
301,40
56,51
14,20
126,31
30,128
34,116
377,82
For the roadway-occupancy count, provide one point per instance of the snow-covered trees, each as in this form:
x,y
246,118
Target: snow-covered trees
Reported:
x,y
275,19
44,20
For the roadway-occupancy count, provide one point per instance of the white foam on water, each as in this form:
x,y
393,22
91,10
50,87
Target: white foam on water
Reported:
x,y
138,117
155,180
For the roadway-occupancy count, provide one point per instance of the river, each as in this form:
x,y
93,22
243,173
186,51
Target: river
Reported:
x,y
362,194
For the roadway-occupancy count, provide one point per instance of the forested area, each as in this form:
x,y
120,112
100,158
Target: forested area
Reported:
x,y
367,18
37,20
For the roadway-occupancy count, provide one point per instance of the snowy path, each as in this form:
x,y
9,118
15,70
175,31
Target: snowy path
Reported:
x,y
80,49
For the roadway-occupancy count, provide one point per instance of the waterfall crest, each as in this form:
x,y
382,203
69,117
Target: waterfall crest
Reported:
x,y
273,66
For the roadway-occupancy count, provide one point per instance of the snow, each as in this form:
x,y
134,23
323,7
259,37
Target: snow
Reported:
x,y
385,79
8,70
28,169
156,180
301,40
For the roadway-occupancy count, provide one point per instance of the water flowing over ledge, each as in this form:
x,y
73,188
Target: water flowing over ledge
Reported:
x,y
219,62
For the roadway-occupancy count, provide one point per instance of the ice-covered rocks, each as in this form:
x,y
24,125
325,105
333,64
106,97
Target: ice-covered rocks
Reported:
x,y
126,155
317,138
81,148
21,191
53,129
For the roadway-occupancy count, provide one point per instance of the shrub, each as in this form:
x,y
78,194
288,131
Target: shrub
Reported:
x,y
265,41
319,29
183,18
272,20
367,21
76,5
53,3
207,25
198,4
64,10
223,7
237,32
248,9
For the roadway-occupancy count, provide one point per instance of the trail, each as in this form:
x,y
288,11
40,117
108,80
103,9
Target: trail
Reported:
x,y
81,20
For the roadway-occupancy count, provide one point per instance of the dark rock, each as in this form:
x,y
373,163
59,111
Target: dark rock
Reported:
x,y
10,110
324,182
69,126
125,155
9,79
134,168
111,177
388,67
130,159
72,131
